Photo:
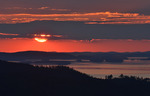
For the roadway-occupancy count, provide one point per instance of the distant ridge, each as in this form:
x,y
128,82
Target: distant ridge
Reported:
x,y
34,55
23,55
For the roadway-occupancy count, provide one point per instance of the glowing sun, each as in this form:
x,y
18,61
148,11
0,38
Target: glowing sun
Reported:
x,y
40,39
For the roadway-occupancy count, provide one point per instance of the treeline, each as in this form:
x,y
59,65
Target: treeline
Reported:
x,y
26,80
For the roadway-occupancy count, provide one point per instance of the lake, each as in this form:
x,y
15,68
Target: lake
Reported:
x,y
139,68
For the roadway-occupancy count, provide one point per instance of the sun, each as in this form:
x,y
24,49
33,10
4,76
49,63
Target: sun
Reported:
x,y
40,39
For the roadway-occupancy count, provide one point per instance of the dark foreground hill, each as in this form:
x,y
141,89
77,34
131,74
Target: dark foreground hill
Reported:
x,y
26,80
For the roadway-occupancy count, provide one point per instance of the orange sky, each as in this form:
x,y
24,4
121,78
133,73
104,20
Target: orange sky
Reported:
x,y
106,22
95,45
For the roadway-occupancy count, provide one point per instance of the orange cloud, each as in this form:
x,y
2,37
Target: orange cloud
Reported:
x,y
42,8
60,9
7,34
88,18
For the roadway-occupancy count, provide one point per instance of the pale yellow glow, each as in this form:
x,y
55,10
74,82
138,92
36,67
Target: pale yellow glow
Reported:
x,y
48,35
43,35
40,39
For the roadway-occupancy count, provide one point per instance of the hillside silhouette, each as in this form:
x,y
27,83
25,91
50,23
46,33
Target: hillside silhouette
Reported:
x,y
18,79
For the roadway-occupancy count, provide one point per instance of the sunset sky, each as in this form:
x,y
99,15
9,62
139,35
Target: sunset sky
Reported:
x,y
75,25
48,6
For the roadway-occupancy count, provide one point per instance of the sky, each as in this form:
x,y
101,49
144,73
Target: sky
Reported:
x,y
98,45
75,25
19,6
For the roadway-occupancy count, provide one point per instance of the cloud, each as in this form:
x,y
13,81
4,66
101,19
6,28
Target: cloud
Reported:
x,y
43,8
88,18
119,40
52,9
28,9
8,34
60,9
29,36
77,30
80,5
17,8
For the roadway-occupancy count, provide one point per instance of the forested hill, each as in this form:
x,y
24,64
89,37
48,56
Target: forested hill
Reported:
x,y
20,56
26,80
92,56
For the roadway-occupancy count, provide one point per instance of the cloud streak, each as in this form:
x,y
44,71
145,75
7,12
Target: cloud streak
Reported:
x,y
8,34
87,18
30,36
78,5
35,9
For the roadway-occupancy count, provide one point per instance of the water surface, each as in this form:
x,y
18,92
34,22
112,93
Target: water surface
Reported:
x,y
100,70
